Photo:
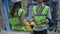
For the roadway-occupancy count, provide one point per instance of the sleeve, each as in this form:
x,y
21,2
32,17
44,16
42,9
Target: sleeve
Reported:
x,y
49,15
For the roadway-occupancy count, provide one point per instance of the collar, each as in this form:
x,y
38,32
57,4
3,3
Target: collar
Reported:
x,y
41,5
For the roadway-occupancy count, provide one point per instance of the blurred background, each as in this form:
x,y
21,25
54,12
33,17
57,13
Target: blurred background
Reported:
x,y
27,5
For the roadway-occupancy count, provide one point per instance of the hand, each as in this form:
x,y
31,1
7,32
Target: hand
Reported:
x,y
38,23
44,21
31,20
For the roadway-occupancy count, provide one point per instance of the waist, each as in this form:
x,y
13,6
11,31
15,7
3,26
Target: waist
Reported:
x,y
39,29
39,18
40,26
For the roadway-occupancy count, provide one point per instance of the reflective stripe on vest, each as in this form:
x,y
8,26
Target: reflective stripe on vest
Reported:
x,y
41,16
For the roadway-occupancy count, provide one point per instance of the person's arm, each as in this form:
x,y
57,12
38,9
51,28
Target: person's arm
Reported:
x,y
49,15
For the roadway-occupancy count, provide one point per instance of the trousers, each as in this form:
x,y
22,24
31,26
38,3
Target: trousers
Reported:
x,y
40,32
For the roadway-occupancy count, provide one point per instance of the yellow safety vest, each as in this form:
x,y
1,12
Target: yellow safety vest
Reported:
x,y
15,20
40,17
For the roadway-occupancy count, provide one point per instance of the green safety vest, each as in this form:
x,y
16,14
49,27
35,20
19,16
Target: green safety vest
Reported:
x,y
40,17
15,20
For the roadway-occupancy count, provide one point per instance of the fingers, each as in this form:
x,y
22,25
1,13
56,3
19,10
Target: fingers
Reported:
x,y
38,23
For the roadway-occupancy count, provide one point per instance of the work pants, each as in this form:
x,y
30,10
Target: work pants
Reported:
x,y
40,32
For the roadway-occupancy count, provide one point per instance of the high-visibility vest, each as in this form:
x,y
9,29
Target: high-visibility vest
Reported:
x,y
15,20
40,17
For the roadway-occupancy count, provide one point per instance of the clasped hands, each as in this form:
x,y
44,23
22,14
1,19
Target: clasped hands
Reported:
x,y
38,23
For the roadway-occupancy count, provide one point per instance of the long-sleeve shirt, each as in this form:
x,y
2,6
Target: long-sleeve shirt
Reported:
x,y
48,16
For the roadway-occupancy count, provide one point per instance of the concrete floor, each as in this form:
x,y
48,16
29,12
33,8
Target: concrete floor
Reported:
x,y
15,33
24,33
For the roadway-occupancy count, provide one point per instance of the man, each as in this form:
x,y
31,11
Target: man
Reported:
x,y
41,13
